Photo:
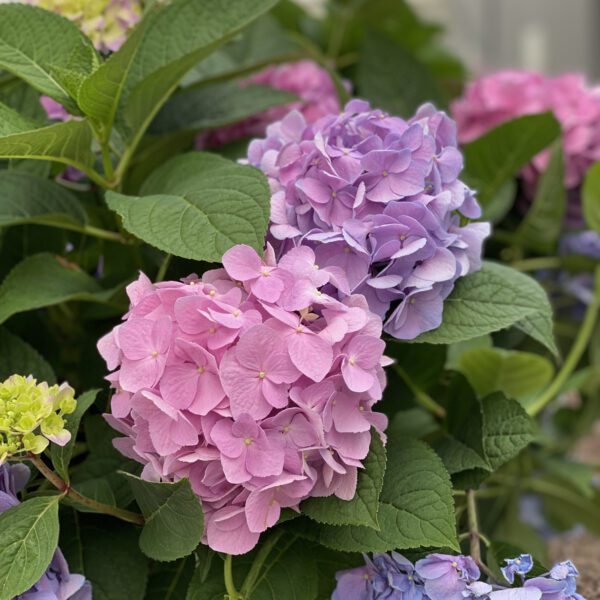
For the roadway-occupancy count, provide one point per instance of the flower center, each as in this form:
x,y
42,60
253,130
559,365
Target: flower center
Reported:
x,y
154,354
212,293
518,561
352,360
315,266
247,441
402,237
454,564
265,273
346,249
299,329
334,194
285,428
385,173
318,293
361,408
261,374
200,370
211,329
236,313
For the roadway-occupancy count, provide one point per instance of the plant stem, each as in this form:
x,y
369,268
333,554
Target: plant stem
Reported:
x,y
164,265
422,397
109,171
103,234
258,563
67,490
475,537
581,342
535,264
232,592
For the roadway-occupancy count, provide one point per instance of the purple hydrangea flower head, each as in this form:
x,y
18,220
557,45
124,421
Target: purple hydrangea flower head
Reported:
x,y
253,382
355,584
446,577
56,583
520,565
380,199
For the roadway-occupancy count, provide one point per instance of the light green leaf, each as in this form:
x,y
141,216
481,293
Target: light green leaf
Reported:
x,y
516,374
199,205
216,105
174,518
68,143
61,455
29,539
33,42
137,80
498,155
41,280
491,299
591,197
385,67
25,198
363,508
506,429
17,356
543,223
417,508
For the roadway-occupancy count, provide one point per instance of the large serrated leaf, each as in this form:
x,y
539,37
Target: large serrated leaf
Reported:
x,y
217,105
27,199
497,156
416,510
33,42
137,80
491,299
198,206
174,518
29,539
41,280
17,356
363,508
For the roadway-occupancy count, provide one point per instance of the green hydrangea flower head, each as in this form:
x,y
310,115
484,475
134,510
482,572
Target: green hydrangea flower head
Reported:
x,y
32,415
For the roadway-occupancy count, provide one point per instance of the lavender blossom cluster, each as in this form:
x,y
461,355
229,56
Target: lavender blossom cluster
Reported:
x,y
56,583
446,577
381,198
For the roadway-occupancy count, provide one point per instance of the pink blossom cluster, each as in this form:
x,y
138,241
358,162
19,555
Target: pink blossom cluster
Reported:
x,y
316,93
505,95
380,197
251,382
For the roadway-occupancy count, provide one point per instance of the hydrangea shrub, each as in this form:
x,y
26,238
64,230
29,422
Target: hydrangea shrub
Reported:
x,y
305,366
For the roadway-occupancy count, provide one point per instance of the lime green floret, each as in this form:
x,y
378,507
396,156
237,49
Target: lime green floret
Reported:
x,y
32,415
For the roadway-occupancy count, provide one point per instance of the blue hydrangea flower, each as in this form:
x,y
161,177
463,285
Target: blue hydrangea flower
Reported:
x,y
520,565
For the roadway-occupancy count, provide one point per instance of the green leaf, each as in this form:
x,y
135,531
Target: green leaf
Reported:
x,y
42,280
199,205
494,298
501,203
27,199
13,122
170,581
217,105
106,551
17,356
415,423
174,518
262,43
543,223
137,80
34,42
416,510
591,197
363,508
385,67
516,374
497,156
289,573
29,539
68,143
61,455
506,429
458,457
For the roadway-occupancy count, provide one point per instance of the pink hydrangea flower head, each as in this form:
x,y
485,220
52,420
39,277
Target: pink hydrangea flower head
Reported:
x,y
494,99
372,204
252,382
316,93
